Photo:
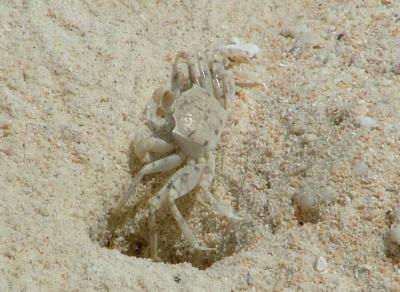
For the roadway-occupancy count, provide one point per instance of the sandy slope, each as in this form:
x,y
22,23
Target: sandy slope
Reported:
x,y
74,79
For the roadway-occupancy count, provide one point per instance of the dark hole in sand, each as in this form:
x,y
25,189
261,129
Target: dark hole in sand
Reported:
x,y
128,231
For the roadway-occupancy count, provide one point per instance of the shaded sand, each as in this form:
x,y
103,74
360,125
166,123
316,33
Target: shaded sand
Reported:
x,y
310,159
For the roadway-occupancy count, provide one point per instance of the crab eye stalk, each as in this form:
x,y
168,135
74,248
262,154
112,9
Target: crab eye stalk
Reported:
x,y
167,100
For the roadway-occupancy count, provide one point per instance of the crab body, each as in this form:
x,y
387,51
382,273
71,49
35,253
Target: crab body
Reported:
x,y
199,121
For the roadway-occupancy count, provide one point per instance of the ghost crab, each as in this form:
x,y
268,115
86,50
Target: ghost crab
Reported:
x,y
186,120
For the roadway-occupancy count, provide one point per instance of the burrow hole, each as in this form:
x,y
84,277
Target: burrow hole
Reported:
x,y
128,231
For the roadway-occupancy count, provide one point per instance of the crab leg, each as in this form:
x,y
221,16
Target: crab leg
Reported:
x,y
205,182
217,70
187,59
178,82
223,81
161,165
180,184
187,232
205,75
229,90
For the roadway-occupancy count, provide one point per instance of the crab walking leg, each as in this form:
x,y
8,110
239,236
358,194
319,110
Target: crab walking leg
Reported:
x,y
187,232
205,182
178,80
229,90
187,59
155,203
153,234
161,165
221,208
180,184
193,76
218,77
179,83
205,75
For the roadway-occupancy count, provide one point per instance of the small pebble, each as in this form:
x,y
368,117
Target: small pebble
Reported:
x,y
308,138
396,68
339,115
394,216
320,264
392,240
250,49
305,201
367,122
294,31
304,38
297,127
235,40
360,168
307,40
340,36
387,2
311,201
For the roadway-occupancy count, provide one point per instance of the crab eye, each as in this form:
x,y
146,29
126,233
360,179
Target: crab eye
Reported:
x,y
160,113
167,100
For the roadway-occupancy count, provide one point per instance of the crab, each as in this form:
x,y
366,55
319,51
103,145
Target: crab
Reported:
x,y
185,121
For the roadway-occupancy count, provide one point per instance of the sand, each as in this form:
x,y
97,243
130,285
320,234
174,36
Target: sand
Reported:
x,y
309,156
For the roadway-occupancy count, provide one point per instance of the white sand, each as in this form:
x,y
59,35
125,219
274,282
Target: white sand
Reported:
x,y
74,79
